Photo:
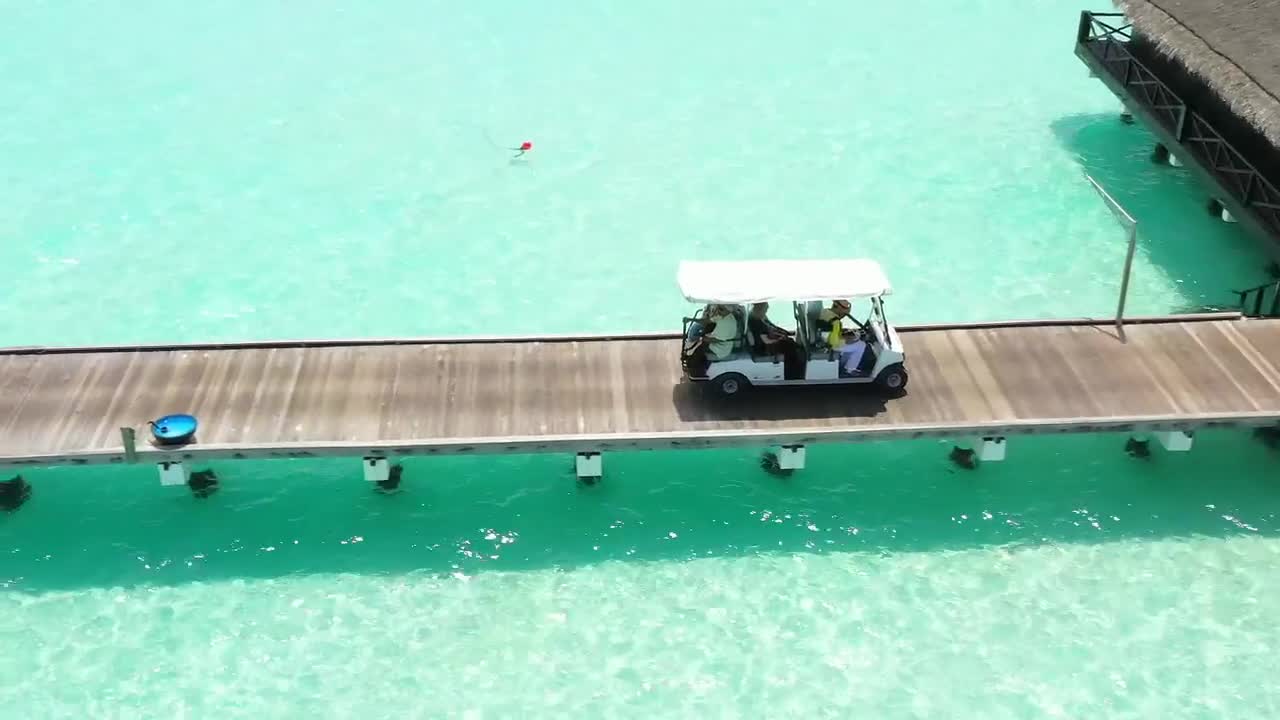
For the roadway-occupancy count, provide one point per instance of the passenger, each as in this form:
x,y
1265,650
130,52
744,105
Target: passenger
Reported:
x,y
719,331
697,326
769,339
764,334
719,338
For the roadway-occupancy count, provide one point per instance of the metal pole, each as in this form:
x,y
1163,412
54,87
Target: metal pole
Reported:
x,y
1124,279
129,440
1131,226
1083,27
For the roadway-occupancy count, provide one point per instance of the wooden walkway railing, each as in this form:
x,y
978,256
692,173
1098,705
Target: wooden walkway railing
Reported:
x,y
1102,41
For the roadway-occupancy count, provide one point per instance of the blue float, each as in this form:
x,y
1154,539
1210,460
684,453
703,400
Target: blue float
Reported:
x,y
174,429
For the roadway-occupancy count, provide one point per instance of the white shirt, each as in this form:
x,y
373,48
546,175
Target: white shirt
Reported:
x,y
851,355
720,340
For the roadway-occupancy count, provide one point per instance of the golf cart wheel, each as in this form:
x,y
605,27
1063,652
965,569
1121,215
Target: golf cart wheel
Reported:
x,y
893,378
729,385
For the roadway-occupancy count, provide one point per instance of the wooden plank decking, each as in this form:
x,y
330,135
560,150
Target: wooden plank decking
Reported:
x,y
591,394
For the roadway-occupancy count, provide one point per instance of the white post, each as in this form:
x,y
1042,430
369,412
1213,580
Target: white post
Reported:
x,y
174,473
791,457
590,465
377,469
1175,441
990,448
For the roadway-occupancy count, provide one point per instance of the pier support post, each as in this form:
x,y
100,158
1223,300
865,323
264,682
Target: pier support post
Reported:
x,y
1217,209
1175,441
971,451
989,449
784,461
377,469
791,457
589,466
1164,155
174,473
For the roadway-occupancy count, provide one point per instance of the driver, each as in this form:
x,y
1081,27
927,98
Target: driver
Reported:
x,y
831,316
830,323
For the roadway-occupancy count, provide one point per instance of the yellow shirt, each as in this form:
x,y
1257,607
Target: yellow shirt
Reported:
x,y
833,336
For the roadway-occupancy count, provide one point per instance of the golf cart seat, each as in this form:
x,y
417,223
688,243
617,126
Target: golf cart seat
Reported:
x,y
812,310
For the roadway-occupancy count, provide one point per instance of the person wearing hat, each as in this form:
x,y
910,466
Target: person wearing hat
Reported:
x,y
851,345
719,331
830,322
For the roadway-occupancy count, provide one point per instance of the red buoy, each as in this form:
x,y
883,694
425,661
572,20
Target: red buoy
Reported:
x,y
526,146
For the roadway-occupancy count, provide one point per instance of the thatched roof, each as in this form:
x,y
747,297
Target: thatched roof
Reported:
x,y
1233,44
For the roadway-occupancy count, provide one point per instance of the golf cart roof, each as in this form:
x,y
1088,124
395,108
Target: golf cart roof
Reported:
x,y
740,282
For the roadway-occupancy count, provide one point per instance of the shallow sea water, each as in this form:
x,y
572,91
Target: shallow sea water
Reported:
x,y
325,170
1070,581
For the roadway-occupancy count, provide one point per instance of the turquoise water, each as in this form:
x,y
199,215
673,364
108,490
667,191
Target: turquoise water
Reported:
x,y
324,169
1070,581
319,169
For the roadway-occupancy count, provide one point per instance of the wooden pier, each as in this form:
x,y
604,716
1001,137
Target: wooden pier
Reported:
x,y
594,394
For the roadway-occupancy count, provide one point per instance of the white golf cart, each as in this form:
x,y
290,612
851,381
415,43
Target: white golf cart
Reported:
x,y
730,359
